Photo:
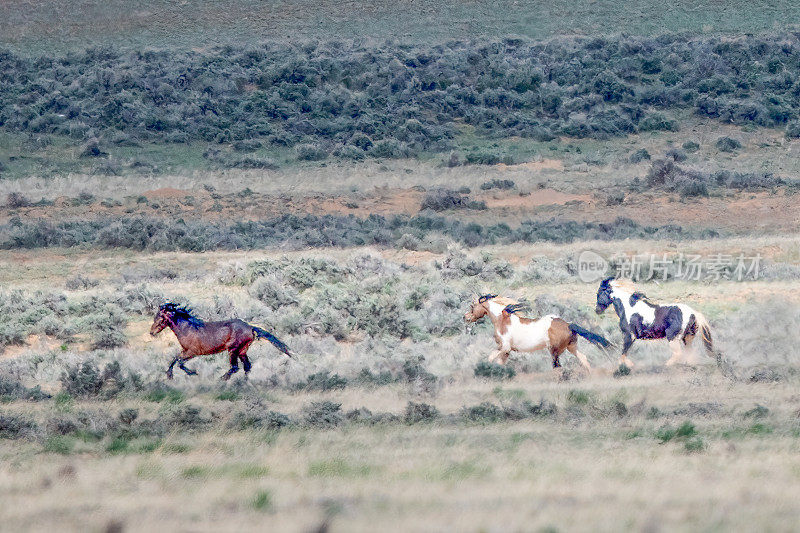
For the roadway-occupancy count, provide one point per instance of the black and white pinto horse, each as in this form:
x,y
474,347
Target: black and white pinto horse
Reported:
x,y
640,318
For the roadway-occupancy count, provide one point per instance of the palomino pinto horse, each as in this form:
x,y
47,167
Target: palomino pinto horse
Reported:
x,y
513,332
197,337
639,318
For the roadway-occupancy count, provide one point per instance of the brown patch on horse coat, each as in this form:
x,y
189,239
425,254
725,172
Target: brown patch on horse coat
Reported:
x,y
560,335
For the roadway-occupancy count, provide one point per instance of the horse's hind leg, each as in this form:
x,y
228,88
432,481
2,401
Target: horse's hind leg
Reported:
x,y
234,357
245,359
675,346
245,364
573,348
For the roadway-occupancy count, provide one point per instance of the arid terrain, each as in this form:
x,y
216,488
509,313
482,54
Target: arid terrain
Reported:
x,y
350,177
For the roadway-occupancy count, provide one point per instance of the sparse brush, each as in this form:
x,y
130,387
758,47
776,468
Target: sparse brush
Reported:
x,y
420,412
493,371
323,414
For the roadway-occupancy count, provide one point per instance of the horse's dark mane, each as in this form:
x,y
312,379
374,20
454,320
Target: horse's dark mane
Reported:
x,y
638,295
513,308
182,313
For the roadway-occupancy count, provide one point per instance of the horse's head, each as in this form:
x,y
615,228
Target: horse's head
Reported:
x,y
164,317
478,309
604,298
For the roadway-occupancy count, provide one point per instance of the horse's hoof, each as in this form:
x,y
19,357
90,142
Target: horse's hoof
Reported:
x,y
169,374
226,377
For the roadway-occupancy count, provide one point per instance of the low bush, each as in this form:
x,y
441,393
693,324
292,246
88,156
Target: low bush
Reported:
x,y
727,144
153,234
15,200
495,371
16,426
639,155
324,381
323,414
690,146
498,184
420,412
445,199
485,412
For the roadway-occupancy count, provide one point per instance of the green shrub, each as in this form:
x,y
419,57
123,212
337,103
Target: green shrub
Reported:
x,y
622,370
324,381
694,445
420,412
484,413
690,146
639,155
262,501
311,152
367,377
15,426
727,144
162,393
82,380
323,414
188,417
580,397
62,444
684,431
488,370
273,293
693,189
497,184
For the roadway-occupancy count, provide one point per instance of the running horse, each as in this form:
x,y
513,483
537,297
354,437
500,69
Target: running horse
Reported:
x,y
517,333
198,337
640,318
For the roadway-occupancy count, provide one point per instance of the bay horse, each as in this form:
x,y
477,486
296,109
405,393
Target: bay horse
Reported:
x,y
640,318
516,333
198,337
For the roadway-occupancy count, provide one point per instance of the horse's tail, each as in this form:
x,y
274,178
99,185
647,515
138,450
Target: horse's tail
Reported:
x,y
594,338
271,338
705,333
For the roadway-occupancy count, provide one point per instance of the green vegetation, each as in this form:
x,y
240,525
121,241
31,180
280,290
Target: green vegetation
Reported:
x,y
248,107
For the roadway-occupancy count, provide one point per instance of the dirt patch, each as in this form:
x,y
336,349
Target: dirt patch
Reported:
x,y
166,192
744,212
549,164
537,198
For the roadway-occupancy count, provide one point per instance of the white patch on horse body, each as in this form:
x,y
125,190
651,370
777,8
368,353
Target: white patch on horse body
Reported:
x,y
495,308
640,308
686,313
528,337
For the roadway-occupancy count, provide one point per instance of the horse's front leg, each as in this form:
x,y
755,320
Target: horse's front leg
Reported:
x,y
182,360
234,357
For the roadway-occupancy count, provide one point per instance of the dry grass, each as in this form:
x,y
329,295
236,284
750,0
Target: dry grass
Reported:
x,y
577,470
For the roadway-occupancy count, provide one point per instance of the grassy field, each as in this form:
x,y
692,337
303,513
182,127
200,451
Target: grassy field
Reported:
x,y
349,175
684,450
361,433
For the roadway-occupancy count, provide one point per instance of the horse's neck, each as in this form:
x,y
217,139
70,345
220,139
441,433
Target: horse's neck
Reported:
x,y
625,299
180,327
